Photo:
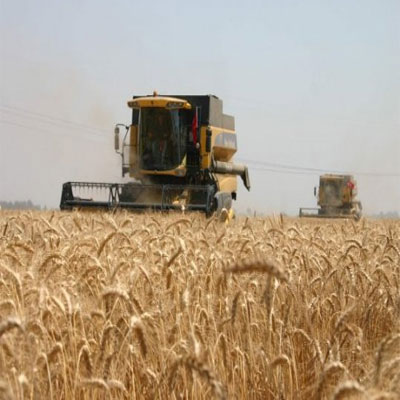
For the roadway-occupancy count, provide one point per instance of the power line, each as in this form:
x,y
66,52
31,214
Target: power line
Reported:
x,y
291,169
284,172
257,165
255,104
49,119
2,121
284,166
37,129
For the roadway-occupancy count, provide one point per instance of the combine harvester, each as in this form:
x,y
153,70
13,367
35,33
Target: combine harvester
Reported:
x,y
178,150
336,198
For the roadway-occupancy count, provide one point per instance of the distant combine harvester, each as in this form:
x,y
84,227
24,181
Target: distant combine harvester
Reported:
x,y
336,198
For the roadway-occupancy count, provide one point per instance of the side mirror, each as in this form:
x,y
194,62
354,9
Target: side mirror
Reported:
x,y
315,191
116,138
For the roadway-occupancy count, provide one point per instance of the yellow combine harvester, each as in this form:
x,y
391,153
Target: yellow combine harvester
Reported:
x,y
178,150
336,198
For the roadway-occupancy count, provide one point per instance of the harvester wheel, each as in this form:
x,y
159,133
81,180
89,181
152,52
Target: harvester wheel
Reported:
x,y
226,215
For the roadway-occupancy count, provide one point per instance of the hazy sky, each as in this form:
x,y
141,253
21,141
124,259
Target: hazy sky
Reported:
x,y
312,84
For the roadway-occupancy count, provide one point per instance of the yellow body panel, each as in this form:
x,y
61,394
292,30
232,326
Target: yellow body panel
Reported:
x,y
156,101
220,153
205,157
227,183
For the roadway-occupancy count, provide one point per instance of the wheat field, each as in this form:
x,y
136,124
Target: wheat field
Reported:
x,y
127,306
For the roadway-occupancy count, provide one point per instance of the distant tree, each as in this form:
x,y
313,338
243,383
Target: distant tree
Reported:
x,y
19,205
389,215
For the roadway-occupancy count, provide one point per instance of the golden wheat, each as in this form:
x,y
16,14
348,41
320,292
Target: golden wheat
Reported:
x,y
99,305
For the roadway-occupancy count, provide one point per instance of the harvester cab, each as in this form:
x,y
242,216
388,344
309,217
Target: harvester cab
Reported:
x,y
336,198
178,151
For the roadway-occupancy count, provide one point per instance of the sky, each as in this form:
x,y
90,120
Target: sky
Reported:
x,y
313,85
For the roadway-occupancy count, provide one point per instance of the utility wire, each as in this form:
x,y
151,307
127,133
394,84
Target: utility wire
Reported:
x,y
284,172
40,130
257,165
284,166
49,119
291,169
267,109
